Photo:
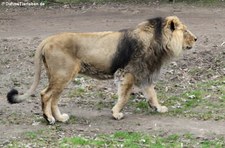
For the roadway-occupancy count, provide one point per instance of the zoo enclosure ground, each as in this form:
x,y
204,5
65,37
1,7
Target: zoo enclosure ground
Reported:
x,y
22,29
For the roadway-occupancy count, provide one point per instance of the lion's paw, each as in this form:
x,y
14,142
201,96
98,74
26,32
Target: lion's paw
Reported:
x,y
51,120
65,117
118,116
162,109
62,118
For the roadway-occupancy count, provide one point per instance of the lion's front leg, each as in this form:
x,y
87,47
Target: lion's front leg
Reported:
x,y
124,90
151,96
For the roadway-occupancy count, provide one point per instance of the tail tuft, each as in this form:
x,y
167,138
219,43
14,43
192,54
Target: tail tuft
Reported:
x,y
11,96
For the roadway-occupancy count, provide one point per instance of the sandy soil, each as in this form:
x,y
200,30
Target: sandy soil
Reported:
x,y
22,29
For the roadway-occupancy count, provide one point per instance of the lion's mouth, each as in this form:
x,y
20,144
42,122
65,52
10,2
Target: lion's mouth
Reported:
x,y
188,47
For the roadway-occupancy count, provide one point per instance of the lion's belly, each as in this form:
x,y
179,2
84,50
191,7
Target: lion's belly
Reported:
x,y
99,57
92,71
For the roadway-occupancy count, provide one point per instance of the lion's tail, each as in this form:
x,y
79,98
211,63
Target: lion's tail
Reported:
x,y
13,95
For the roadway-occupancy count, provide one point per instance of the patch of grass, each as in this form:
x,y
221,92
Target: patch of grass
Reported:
x,y
39,138
136,140
218,142
100,105
203,100
141,106
81,141
31,135
202,2
114,96
80,80
103,104
78,92
45,138
41,120
14,144
73,119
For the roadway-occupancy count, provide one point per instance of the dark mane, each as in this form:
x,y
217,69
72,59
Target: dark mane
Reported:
x,y
125,50
156,48
143,62
149,63
158,27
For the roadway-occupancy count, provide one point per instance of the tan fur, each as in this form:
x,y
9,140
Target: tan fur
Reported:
x,y
64,54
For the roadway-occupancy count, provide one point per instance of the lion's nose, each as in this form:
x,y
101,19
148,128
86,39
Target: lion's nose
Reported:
x,y
196,39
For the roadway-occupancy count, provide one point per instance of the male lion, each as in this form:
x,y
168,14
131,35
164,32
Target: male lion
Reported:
x,y
133,56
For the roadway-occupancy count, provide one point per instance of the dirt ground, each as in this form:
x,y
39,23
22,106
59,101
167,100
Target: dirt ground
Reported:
x,y
22,29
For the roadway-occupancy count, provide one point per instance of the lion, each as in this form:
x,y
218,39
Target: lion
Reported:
x,y
133,56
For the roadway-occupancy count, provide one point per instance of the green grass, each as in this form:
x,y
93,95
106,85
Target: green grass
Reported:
x,y
203,100
32,135
48,138
81,141
77,92
202,2
137,140
141,106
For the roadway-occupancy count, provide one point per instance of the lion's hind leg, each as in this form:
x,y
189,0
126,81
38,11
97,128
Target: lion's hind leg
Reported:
x,y
60,72
50,97
46,105
54,103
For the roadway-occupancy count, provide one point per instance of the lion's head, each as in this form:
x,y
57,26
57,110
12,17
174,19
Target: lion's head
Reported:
x,y
178,37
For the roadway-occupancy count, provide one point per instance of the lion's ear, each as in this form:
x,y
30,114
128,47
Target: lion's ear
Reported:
x,y
172,22
172,26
